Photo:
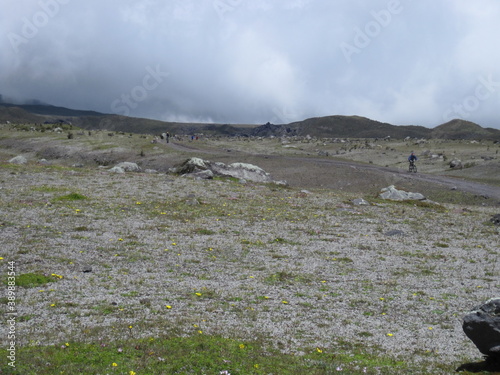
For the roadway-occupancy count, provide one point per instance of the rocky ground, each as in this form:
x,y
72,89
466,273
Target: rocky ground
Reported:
x,y
147,254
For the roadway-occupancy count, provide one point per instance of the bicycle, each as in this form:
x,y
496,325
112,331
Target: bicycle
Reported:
x,y
412,167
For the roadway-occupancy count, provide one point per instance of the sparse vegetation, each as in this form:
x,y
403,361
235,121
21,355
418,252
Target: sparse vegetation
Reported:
x,y
146,273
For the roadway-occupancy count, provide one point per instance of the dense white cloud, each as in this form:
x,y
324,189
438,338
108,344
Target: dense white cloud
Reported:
x,y
253,61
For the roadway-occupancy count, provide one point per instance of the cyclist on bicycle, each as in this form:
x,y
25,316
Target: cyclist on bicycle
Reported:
x,y
412,158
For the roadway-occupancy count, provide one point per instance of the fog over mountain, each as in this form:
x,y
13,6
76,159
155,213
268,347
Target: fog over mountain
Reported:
x,y
252,61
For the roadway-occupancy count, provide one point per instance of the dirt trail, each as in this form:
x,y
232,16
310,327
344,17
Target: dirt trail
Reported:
x,y
321,172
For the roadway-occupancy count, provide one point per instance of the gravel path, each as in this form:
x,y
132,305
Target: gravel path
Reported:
x,y
311,172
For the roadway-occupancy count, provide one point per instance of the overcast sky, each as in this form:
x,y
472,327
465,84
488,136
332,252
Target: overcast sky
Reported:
x,y
251,61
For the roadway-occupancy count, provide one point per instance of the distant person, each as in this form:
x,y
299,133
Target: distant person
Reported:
x,y
412,158
167,136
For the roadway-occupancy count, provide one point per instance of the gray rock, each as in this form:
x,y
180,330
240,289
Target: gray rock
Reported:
x,y
393,194
191,165
360,202
394,232
129,167
456,164
18,160
495,219
86,268
116,170
244,171
196,167
482,326
281,183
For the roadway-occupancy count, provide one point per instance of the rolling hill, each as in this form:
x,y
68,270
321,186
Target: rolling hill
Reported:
x,y
323,127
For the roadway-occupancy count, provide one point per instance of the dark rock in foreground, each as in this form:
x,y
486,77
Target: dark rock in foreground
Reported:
x,y
482,326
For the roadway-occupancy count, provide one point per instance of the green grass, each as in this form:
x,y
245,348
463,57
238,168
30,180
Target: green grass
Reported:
x,y
28,280
198,354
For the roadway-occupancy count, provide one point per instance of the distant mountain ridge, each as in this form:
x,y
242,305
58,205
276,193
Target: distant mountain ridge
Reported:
x,y
362,127
323,127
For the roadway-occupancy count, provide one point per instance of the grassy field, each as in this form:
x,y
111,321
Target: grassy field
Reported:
x,y
152,273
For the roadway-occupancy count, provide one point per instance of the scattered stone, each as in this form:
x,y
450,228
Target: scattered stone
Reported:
x,y
360,202
394,232
129,167
281,183
456,164
18,160
482,326
393,194
117,170
151,171
86,268
495,219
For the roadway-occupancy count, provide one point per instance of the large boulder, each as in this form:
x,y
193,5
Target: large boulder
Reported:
x,y
18,160
393,194
192,165
456,164
129,167
482,326
243,171
196,167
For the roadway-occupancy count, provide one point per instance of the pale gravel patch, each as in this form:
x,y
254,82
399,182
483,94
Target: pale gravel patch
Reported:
x,y
343,279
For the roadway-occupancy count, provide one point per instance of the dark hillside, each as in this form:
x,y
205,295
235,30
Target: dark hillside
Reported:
x,y
461,129
357,127
343,127
17,115
321,127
